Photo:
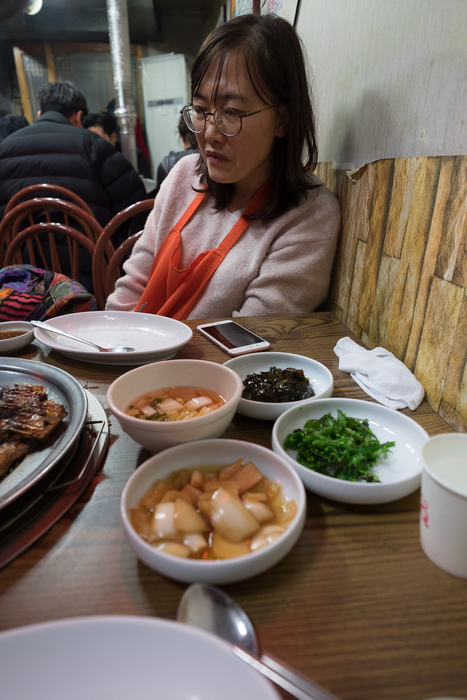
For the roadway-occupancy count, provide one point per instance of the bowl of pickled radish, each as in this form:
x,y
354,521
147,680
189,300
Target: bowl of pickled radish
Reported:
x,y
163,404
216,510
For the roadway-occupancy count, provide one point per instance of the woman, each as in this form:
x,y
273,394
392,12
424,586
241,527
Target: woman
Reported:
x,y
244,228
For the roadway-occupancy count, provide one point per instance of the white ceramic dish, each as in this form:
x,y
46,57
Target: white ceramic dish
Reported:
x,y
20,341
154,435
318,375
122,657
399,472
154,338
218,453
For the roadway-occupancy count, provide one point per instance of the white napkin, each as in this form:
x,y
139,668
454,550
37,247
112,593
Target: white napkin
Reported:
x,y
380,374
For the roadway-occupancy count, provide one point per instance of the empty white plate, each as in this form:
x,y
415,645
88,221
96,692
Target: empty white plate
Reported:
x,y
153,337
118,658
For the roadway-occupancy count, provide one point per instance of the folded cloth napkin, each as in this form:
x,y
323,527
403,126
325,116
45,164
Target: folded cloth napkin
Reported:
x,y
380,374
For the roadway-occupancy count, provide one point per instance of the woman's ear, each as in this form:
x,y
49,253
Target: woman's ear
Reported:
x,y
283,121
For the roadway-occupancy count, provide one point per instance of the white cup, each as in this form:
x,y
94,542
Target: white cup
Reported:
x,y
443,502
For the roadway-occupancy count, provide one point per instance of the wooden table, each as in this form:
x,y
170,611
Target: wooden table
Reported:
x,y
356,605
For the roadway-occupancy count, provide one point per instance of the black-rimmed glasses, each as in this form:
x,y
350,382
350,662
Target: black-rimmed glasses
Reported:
x,y
227,119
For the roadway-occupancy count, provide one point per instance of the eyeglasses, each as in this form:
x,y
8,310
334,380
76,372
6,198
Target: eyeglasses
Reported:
x,y
227,119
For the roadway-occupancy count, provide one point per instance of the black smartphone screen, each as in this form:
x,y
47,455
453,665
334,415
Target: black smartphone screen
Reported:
x,y
232,335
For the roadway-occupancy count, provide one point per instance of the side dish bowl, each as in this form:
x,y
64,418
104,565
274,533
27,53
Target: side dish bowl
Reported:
x,y
217,453
318,375
399,472
155,435
18,341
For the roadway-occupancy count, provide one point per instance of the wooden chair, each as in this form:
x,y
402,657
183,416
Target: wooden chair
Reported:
x,y
106,262
35,234
25,214
46,190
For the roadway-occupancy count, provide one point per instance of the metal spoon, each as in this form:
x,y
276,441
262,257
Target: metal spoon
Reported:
x,y
47,327
209,608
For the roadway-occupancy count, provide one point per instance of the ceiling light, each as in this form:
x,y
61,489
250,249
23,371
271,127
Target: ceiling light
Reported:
x,y
33,7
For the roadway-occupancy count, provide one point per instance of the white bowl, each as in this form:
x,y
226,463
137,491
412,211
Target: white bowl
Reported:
x,y
318,375
156,436
399,472
123,657
20,341
218,453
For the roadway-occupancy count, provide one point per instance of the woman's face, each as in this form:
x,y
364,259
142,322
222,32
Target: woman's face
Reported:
x,y
244,160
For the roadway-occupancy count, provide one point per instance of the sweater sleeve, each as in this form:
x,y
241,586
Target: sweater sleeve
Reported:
x,y
174,196
294,276
129,288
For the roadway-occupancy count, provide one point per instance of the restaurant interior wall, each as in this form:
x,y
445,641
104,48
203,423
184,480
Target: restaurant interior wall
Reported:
x,y
389,83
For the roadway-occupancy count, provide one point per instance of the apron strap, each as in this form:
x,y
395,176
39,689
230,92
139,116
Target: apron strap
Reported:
x,y
173,292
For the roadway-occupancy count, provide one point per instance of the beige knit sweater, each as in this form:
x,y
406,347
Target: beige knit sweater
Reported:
x,y
281,267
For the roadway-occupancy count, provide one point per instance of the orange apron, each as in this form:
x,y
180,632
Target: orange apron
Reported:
x,y
173,292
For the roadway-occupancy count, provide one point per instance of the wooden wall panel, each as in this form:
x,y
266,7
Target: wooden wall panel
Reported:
x,y
400,277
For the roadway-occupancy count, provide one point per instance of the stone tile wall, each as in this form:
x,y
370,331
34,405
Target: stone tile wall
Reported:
x,y
400,278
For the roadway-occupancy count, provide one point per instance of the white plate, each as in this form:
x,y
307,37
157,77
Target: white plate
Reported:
x,y
153,337
122,658
399,472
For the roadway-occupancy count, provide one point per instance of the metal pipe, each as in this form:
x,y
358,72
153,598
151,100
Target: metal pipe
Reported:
x,y
125,112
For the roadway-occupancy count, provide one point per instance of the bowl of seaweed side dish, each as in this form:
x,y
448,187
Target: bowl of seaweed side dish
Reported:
x,y
319,439
15,335
278,381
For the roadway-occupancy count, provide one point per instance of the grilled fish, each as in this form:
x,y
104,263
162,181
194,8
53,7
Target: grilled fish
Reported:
x,y
27,416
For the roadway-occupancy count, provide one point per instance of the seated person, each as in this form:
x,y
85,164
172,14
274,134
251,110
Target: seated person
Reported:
x,y
190,146
58,151
10,123
104,124
245,227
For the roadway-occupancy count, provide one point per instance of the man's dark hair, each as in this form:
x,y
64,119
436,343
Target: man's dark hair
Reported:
x,y
103,119
64,98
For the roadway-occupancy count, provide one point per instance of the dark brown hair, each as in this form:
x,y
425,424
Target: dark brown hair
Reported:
x,y
271,54
64,97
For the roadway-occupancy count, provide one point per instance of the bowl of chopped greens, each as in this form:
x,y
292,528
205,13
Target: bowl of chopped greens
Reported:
x,y
273,382
350,450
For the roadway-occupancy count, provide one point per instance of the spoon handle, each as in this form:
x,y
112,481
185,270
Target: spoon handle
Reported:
x,y
41,324
317,692
285,677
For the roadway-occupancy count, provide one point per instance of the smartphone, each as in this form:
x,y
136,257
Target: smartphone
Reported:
x,y
233,338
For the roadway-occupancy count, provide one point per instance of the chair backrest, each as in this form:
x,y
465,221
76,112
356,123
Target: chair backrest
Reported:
x,y
36,234
105,263
23,216
46,190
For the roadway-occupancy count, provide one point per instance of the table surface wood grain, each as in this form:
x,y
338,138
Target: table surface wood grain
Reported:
x,y
356,605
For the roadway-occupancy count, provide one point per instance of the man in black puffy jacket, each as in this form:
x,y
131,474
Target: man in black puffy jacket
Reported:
x,y
56,150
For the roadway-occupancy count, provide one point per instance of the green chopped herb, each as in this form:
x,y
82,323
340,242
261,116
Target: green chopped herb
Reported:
x,y
341,447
